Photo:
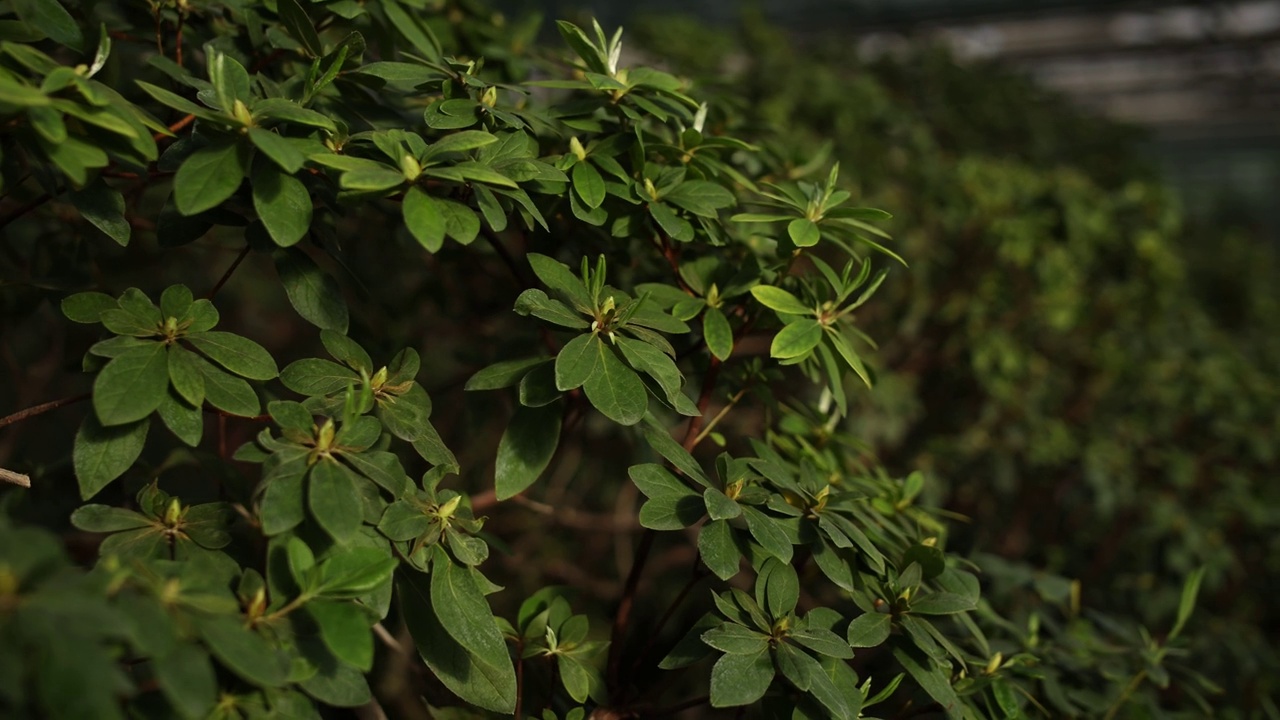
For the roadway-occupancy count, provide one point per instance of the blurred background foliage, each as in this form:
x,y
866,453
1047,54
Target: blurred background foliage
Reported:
x,y
1090,378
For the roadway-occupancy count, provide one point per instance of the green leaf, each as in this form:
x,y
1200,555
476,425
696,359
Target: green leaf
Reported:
x,y
354,572
648,359
526,449
465,614
736,639
775,298
283,505
557,276
741,679
87,307
185,375
226,391
588,184
659,439
489,685
822,641
242,651
720,506
299,26
614,389
334,499
932,678
718,550
283,154
1187,602
460,221
186,677
502,374
107,519
103,454
283,204
316,377
132,385
670,512
373,179
655,482
423,217
700,197
796,339
286,110
717,333
51,19
869,630
766,532
103,206
209,176
781,589
671,223
535,302
240,355
793,666
942,603
459,142
344,628
406,416
312,292
182,418
803,232
578,361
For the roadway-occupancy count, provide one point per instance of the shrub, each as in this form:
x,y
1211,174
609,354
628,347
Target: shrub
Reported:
x,y
423,264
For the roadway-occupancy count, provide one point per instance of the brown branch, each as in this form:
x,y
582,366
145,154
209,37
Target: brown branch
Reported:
x,y
16,478
623,615
26,209
42,408
227,275
173,128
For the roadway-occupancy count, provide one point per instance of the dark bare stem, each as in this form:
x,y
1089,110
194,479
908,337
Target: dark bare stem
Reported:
x,y
696,576
623,616
227,275
26,209
42,408
681,706
177,49
519,678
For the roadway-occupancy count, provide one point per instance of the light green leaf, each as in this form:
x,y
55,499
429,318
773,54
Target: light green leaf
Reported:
x,y
766,532
503,374
588,184
736,639
942,603
717,333
803,232
87,307
775,298
796,339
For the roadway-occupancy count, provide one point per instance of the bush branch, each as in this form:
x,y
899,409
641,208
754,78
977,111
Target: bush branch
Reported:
x,y
42,408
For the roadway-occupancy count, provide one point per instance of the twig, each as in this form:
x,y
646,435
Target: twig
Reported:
x,y
16,478
681,706
519,715
173,128
719,416
623,616
42,408
25,209
227,275
697,576
387,639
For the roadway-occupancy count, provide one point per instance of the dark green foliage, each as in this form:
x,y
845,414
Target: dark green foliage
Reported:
x,y
416,321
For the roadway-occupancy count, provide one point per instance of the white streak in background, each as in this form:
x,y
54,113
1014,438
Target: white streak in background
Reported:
x,y
1251,18
1133,29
